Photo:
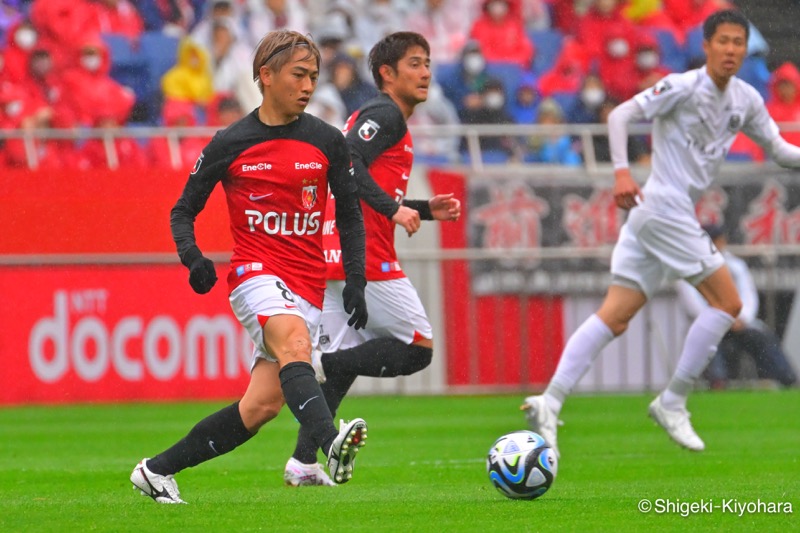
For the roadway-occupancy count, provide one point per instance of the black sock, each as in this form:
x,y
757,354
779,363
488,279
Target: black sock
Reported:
x,y
307,402
335,388
379,358
215,435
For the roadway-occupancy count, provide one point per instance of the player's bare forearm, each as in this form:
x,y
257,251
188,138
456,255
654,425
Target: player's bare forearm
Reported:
x,y
627,193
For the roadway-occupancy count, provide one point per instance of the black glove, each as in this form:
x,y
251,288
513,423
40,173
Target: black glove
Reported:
x,y
355,304
202,275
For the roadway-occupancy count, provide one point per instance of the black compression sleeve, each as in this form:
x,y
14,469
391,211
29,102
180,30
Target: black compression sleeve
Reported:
x,y
349,218
422,207
370,192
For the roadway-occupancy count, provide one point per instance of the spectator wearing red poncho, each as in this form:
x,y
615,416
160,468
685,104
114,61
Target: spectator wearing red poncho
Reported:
x,y
604,18
128,152
647,57
62,26
500,31
88,89
784,101
618,64
176,114
22,38
687,14
116,16
567,74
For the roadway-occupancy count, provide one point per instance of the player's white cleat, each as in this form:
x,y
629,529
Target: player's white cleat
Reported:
x,y
541,420
342,455
163,489
676,423
297,474
316,364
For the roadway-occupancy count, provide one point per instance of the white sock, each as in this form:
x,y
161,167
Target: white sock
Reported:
x,y
699,347
581,350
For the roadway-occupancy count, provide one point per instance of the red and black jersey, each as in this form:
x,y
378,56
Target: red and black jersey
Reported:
x,y
276,181
382,152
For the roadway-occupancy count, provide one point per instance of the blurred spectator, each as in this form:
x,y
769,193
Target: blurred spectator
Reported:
x,y
604,18
171,17
650,14
231,65
567,74
266,15
535,15
687,14
216,10
44,87
62,25
375,20
10,16
748,334
586,109
179,152
500,32
437,110
555,147
22,39
327,105
488,107
638,148
617,67
190,78
649,68
353,90
470,77
784,102
566,14
116,16
89,90
224,110
129,153
526,101
443,26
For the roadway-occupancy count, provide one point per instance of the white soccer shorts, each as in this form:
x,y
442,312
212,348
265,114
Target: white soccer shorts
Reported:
x,y
394,307
265,296
652,249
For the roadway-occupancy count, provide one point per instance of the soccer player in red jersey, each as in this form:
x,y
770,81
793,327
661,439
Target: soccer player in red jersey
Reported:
x,y
398,340
276,166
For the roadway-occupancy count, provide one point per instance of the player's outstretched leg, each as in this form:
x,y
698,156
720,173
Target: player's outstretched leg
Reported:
x,y
342,455
163,489
677,425
297,474
541,419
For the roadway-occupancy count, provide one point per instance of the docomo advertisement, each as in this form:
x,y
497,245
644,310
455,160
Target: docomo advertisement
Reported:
x,y
117,333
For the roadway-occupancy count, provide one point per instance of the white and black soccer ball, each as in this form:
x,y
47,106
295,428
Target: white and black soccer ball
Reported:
x,y
521,465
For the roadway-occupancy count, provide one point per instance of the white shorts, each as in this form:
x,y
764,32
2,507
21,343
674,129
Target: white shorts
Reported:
x,y
652,249
261,297
395,310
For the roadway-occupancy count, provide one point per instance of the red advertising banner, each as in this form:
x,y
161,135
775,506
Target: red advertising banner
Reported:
x,y
117,333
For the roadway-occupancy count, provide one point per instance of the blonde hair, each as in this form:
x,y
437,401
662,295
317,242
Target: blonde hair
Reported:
x,y
271,51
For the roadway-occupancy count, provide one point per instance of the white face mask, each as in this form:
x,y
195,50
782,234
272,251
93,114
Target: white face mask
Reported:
x,y
13,108
25,38
618,48
91,62
497,9
474,63
647,60
494,100
593,96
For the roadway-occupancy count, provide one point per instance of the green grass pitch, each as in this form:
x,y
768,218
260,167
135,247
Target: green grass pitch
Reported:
x,y
423,469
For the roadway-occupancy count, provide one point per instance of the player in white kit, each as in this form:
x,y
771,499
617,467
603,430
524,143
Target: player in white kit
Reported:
x,y
696,116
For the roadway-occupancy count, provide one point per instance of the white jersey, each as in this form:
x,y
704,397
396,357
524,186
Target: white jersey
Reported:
x,y
694,125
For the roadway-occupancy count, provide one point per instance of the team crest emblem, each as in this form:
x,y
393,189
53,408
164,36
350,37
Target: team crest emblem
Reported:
x,y
735,123
309,195
368,130
661,87
198,163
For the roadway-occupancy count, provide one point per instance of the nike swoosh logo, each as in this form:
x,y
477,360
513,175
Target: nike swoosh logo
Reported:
x,y
303,405
211,445
254,197
383,369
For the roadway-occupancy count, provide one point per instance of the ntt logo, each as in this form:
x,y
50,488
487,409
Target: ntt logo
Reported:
x,y
257,166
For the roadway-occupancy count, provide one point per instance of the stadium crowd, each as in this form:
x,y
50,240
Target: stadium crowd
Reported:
x,y
110,63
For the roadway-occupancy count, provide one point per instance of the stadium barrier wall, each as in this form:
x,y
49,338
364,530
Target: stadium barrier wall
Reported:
x,y
95,306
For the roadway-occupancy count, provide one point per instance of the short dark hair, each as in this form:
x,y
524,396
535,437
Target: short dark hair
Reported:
x,y
391,49
727,16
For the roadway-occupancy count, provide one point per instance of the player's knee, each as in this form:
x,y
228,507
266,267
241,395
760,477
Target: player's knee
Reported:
x,y
419,357
296,347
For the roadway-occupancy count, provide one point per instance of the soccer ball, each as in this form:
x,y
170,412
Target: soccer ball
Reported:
x,y
521,465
